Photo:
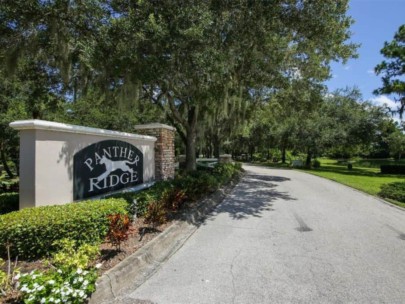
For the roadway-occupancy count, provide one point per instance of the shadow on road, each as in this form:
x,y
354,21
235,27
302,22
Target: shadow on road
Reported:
x,y
254,195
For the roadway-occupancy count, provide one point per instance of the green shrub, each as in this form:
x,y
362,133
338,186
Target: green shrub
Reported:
x,y
395,191
392,169
33,231
316,164
8,202
225,172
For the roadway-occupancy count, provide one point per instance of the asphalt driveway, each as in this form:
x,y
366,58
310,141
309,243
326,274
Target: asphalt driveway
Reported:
x,y
284,236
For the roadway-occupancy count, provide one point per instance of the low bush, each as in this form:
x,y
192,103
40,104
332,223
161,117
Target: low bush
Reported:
x,y
32,232
8,202
118,230
156,213
392,169
316,164
71,279
395,191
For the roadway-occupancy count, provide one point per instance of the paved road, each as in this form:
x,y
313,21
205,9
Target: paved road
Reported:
x,y
288,237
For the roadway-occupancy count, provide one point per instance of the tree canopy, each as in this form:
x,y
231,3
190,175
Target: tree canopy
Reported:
x,y
204,66
393,69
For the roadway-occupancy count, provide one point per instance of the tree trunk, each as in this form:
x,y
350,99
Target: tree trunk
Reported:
x,y
309,158
191,160
191,157
216,145
5,165
283,154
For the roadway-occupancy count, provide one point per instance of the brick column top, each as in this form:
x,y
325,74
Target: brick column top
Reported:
x,y
164,148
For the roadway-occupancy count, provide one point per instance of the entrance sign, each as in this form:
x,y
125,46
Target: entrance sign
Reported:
x,y
106,166
62,163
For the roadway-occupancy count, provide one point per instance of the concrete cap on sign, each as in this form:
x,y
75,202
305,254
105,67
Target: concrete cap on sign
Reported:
x,y
154,126
36,124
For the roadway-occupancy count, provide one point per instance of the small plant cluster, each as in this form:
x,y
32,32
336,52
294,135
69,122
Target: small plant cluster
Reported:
x,y
118,230
395,191
71,279
8,202
33,231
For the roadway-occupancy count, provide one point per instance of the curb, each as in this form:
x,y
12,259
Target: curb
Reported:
x,y
141,265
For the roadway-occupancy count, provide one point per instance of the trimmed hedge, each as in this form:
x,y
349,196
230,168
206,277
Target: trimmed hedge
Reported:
x,y
395,191
8,202
392,169
32,231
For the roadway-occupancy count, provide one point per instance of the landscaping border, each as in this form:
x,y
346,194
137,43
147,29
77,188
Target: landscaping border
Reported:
x,y
140,266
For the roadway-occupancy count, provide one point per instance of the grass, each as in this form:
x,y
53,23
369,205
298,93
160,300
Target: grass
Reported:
x,y
364,176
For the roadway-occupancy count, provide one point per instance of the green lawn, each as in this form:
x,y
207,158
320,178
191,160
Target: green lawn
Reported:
x,y
364,176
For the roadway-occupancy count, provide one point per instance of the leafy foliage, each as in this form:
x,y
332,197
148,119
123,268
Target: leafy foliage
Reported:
x,y
396,143
393,68
9,202
33,231
118,229
157,202
156,213
72,279
71,256
395,191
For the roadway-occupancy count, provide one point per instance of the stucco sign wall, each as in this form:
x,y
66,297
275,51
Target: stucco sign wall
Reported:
x,y
61,163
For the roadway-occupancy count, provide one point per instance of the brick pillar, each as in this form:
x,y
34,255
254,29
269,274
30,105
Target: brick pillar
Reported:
x,y
164,148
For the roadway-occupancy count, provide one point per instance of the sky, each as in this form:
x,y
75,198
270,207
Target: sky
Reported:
x,y
376,21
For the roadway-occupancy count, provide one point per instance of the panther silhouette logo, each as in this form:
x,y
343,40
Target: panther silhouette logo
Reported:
x,y
113,165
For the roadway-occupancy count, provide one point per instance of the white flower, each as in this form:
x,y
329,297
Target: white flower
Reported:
x,y
85,272
40,288
17,277
80,279
86,282
79,271
59,271
99,265
24,288
51,299
82,294
43,300
57,301
51,282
